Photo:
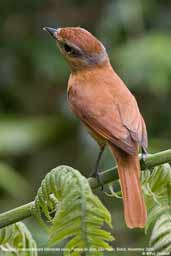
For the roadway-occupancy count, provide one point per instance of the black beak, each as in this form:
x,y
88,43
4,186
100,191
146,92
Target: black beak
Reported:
x,y
51,31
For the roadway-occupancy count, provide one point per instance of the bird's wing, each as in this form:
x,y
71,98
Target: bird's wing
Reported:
x,y
110,114
134,122
110,127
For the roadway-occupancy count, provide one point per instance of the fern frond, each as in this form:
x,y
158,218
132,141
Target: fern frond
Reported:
x,y
16,239
160,238
157,191
72,212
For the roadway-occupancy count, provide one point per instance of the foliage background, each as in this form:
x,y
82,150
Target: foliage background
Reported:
x,y
37,129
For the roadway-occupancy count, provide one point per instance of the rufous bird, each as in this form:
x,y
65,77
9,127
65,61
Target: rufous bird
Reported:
x,y
101,100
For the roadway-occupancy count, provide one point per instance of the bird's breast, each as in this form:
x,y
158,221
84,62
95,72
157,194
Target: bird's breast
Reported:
x,y
77,101
81,104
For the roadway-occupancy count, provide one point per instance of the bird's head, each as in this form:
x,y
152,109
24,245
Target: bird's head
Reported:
x,y
79,47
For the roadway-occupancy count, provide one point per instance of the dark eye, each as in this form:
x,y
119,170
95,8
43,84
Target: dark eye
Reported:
x,y
68,48
71,50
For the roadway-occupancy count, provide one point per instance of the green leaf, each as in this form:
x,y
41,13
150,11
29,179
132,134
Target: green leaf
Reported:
x,y
16,239
157,191
78,214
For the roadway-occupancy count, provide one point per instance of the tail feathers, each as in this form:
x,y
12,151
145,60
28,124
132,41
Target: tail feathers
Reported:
x,y
129,173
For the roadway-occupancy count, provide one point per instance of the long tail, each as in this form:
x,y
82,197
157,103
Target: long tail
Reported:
x,y
129,173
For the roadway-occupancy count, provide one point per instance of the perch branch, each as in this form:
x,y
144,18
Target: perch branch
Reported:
x,y
107,176
151,160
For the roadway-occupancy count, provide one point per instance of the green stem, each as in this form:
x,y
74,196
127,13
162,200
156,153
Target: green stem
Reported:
x,y
107,176
16,214
151,160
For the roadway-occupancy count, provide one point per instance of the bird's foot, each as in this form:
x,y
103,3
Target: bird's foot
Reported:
x,y
143,158
99,179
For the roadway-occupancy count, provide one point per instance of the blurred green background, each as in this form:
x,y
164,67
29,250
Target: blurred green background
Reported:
x,y
37,130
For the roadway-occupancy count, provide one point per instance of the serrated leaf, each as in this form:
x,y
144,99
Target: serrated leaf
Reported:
x,y
157,191
17,237
79,214
154,213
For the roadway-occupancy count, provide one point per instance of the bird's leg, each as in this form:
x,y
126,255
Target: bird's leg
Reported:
x,y
97,172
144,154
98,159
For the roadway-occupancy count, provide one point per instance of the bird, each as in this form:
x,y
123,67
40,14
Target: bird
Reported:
x,y
109,111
